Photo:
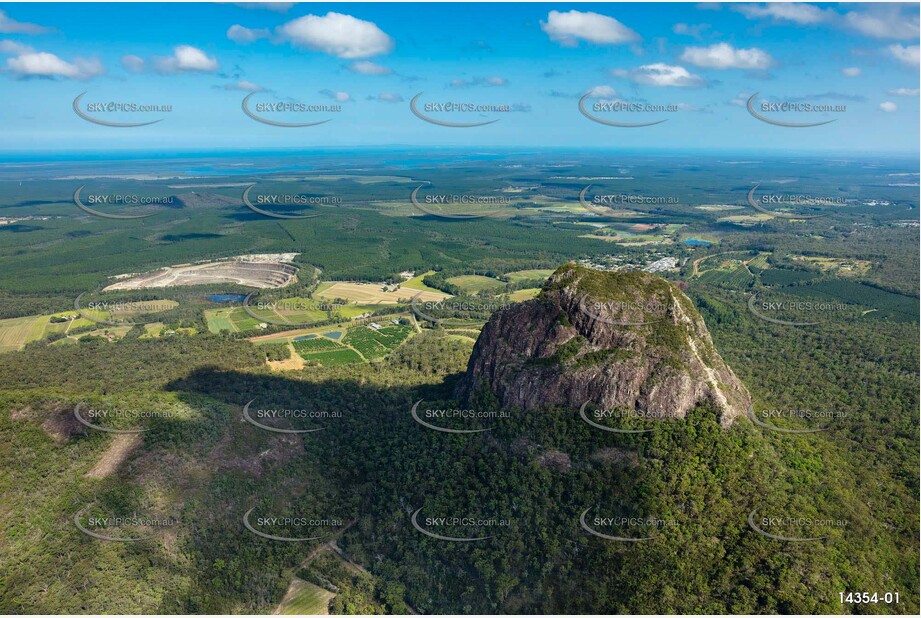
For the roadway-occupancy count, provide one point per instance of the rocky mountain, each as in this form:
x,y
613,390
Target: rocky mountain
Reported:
x,y
628,341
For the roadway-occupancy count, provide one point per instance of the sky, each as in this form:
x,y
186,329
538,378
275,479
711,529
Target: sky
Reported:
x,y
530,64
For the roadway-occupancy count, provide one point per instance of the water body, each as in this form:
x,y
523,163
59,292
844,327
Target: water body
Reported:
x,y
227,298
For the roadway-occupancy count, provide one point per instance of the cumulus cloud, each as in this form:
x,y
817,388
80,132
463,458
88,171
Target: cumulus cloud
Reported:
x,y
851,71
661,74
881,21
387,97
906,54
601,92
44,64
340,96
725,56
803,14
740,99
244,86
479,81
278,7
12,47
366,67
888,106
569,28
337,34
244,36
186,59
904,92
884,22
11,26
133,64
692,30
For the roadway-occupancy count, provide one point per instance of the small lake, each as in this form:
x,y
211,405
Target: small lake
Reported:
x,y
227,298
333,334
696,242
302,337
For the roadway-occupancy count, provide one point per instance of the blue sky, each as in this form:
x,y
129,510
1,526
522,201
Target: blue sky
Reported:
x,y
538,59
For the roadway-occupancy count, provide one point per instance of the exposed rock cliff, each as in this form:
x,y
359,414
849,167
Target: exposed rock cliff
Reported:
x,y
630,341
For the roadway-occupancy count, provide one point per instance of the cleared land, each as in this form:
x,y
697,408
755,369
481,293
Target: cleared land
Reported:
x,y
373,293
473,284
304,599
251,274
523,275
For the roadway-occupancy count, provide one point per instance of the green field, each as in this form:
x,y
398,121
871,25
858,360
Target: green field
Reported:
x,y
376,343
473,284
527,275
341,356
305,599
317,344
416,283
525,294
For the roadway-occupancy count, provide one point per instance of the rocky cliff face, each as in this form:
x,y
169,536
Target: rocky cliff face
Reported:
x,y
630,341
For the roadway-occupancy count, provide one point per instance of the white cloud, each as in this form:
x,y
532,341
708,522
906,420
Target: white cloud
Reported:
x,y
243,85
337,34
888,106
725,56
366,67
12,47
278,7
906,54
388,97
11,26
133,64
661,74
879,21
186,58
904,92
884,23
44,64
803,14
692,30
569,28
851,71
479,81
340,96
243,35
740,99
601,92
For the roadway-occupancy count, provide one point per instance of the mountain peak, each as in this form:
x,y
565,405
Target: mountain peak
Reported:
x,y
626,340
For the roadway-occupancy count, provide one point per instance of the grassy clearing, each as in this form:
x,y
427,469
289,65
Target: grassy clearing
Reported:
x,y
304,599
376,343
473,284
525,294
524,275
